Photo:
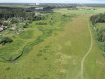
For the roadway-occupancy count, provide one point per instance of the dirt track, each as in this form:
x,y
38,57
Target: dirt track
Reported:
x,y
86,53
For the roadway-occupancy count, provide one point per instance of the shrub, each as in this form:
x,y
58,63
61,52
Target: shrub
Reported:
x,y
8,68
28,77
45,58
41,23
38,18
6,40
39,54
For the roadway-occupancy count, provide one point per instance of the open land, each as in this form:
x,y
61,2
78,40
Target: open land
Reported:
x,y
58,55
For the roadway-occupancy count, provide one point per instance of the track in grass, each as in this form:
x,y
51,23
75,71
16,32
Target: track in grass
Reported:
x,y
86,54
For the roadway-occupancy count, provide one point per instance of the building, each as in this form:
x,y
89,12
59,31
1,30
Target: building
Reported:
x,y
2,27
37,4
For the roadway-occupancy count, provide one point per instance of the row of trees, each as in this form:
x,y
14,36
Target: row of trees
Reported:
x,y
101,34
100,18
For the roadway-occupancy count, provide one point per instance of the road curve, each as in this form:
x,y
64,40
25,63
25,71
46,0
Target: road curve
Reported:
x,y
86,53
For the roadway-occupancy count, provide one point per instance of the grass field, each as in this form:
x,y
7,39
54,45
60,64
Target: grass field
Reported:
x,y
55,50
81,12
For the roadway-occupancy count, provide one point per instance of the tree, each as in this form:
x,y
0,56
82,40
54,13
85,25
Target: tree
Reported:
x,y
5,24
9,25
101,34
103,38
25,26
104,46
6,40
0,22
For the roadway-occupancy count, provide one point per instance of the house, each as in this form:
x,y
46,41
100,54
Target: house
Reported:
x,y
6,21
37,4
2,27
94,9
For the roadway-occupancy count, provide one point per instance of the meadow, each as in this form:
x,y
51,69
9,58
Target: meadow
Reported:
x,y
82,11
54,50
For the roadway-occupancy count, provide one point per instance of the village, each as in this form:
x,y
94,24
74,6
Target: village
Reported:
x,y
8,27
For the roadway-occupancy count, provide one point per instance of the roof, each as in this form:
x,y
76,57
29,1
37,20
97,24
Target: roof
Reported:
x,y
2,26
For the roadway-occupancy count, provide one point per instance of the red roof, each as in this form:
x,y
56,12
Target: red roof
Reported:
x,y
2,26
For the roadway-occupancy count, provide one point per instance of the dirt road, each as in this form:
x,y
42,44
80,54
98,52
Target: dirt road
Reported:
x,y
86,53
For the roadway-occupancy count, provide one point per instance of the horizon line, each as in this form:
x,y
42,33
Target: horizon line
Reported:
x,y
52,3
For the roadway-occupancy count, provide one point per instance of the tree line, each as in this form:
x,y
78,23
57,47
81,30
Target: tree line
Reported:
x,y
100,18
100,33
8,12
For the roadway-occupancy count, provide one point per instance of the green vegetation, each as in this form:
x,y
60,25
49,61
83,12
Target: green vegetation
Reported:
x,y
8,12
27,34
7,51
99,29
100,18
40,23
53,46
4,40
8,68
47,31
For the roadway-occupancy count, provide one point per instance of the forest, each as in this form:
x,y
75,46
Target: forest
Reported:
x,y
14,12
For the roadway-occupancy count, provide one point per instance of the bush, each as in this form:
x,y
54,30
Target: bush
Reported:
x,y
38,18
6,40
5,24
25,26
8,68
28,77
39,54
41,23
104,46
101,35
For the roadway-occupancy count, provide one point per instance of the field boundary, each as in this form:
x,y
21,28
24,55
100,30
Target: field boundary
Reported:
x,y
86,53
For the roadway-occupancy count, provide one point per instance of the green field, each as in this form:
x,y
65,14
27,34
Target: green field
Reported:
x,y
55,50
81,12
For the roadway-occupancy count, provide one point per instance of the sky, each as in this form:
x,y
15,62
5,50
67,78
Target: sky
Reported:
x,y
52,1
